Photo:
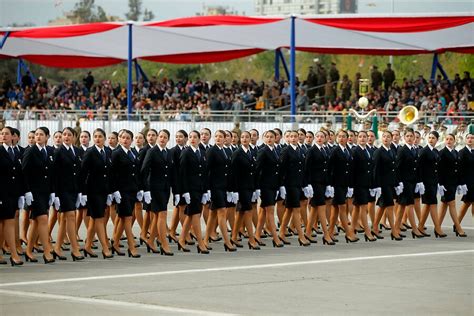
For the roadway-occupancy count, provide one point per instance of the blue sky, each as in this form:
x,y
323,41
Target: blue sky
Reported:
x,y
40,12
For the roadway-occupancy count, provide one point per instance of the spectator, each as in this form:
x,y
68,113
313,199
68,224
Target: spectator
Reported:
x,y
388,76
376,77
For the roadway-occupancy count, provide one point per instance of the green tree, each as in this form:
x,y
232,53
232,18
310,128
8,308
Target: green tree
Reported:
x,y
148,15
134,10
85,11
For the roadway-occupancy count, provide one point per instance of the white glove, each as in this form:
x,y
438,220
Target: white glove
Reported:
x,y
372,192
110,199
441,190
422,188
400,184
461,189
147,197
52,196
229,197
205,198
117,197
350,192
235,197
398,190
282,192
21,202
257,193
276,195
378,192
329,193
187,198
208,195
28,198
417,188
255,196
78,200
140,195
308,191
84,199
176,199
57,203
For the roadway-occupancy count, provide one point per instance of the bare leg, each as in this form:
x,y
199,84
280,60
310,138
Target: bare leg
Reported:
x,y
162,230
8,234
222,221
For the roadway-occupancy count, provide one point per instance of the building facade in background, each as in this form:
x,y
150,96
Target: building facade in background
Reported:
x,y
304,7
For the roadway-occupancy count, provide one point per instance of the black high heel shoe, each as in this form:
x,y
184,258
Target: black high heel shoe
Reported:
x,y
38,250
46,260
142,241
439,235
403,236
458,234
227,248
76,258
311,241
425,234
396,238
184,249
235,243
130,254
384,227
166,253
339,228
149,249
215,239
406,226
14,263
30,259
90,254
413,235
56,256
261,244
284,241
115,251
329,243
348,240
292,232
277,245
107,257
3,261
369,239
193,236
252,247
378,236
303,243
203,251
171,238
190,243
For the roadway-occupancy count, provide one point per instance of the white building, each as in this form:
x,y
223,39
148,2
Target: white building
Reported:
x,y
285,7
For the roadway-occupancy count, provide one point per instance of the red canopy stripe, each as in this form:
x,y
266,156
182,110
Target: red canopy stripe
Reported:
x,y
65,31
394,24
203,58
62,61
196,21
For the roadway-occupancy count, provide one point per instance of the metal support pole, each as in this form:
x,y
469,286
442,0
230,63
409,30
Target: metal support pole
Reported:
x,y
285,66
292,69
130,72
277,64
18,71
434,66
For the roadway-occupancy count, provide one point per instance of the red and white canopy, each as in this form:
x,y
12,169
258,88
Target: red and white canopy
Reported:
x,y
220,38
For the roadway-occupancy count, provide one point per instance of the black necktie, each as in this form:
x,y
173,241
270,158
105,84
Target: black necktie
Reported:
x,y
249,153
455,153
130,155
390,153
11,154
413,151
367,153
198,153
102,153
346,153
45,155
165,154
71,152
16,150
225,154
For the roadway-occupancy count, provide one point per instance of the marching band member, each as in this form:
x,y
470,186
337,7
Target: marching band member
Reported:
x,y
126,187
158,175
95,180
38,171
67,166
193,185
11,194
429,165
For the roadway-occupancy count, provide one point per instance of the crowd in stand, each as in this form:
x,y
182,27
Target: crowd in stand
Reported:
x,y
321,91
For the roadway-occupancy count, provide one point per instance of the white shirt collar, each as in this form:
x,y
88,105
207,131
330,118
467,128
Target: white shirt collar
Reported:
x,y
342,147
6,147
84,147
430,147
363,148
387,149
125,149
246,150
271,147
99,149
252,146
193,149
39,147
161,149
67,147
294,146
319,147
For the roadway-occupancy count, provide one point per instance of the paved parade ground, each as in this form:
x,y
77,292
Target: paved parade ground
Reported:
x,y
419,277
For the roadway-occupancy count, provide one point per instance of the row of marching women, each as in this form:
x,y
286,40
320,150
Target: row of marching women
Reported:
x,y
297,183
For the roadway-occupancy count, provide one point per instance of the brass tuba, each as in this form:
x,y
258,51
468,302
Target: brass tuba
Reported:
x,y
363,103
408,115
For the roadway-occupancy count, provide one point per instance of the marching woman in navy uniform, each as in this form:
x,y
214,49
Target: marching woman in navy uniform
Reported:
x,y
292,182
385,180
229,148
204,146
193,185
181,138
125,186
81,215
467,177
363,178
418,147
25,219
158,175
219,174
450,179
407,172
53,217
95,181
340,178
317,172
429,165
67,167
11,194
243,189
267,179
139,143
38,171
